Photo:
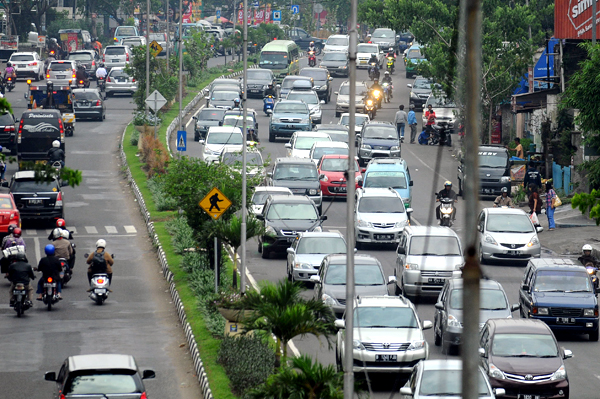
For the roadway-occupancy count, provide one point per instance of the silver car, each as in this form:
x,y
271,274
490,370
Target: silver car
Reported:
x,y
61,73
117,81
88,103
116,56
306,253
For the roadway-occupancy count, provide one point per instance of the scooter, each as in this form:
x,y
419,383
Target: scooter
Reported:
x,y
101,83
268,104
312,59
10,83
592,271
21,303
373,71
370,108
69,123
387,91
66,273
99,288
391,61
377,97
50,292
446,211
441,135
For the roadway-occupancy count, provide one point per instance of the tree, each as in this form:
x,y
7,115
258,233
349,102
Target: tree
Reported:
x,y
588,202
280,310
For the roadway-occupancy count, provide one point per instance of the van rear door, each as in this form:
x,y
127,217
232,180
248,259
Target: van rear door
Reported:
x,y
37,131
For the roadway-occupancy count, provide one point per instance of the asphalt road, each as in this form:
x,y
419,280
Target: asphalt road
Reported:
x,y
430,167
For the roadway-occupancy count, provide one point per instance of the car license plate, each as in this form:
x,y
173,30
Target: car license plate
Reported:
x,y
565,320
254,91
60,76
529,397
487,190
290,126
384,236
514,252
35,202
21,66
100,290
386,358
117,60
436,280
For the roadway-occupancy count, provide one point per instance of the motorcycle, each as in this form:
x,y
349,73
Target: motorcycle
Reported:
x,y
391,61
387,91
99,289
10,83
83,84
446,211
21,303
592,271
101,83
441,136
373,71
69,123
377,96
370,108
66,273
312,59
50,293
268,104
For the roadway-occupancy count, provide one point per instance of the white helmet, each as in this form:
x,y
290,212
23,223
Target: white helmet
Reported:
x,y
386,73
586,247
65,234
101,243
57,233
56,144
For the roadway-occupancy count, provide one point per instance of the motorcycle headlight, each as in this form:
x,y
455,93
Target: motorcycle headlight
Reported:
x,y
446,210
300,265
489,239
453,322
364,223
534,241
269,230
394,148
589,312
559,374
495,372
412,266
505,179
356,344
318,229
312,191
365,146
328,300
376,93
416,345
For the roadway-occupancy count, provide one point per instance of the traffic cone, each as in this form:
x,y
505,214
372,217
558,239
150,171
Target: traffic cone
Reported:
x,y
34,106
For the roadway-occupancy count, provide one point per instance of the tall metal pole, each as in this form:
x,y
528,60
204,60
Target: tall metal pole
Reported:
x,y
244,131
471,24
234,16
180,38
594,22
168,42
350,190
148,58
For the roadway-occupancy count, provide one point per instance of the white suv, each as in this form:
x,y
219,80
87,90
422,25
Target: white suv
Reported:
x,y
27,65
116,56
388,336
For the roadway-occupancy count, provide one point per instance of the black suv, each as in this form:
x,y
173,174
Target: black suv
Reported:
x,y
494,170
8,135
284,217
206,118
560,293
258,81
36,199
378,140
87,58
322,81
300,175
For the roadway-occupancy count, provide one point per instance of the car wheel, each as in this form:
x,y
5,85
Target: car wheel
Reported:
x,y
338,362
290,275
437,339
265,253
481,258
397,289
407,75
594,336
446,349
337,114
271,137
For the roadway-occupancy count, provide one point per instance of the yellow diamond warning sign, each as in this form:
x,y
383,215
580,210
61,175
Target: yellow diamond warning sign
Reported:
x,y
155,48
215,203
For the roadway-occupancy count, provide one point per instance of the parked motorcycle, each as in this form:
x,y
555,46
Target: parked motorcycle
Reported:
x,y
373,71
21,303
268,104
441,136
370,108
391,63
10,83
50,292
387,91
446,211
312,59
593,272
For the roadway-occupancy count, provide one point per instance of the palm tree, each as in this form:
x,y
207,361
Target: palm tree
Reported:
x,y
304,379
280,310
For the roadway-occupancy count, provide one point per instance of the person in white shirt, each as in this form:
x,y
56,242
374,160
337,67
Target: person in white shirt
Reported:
x,y
101,71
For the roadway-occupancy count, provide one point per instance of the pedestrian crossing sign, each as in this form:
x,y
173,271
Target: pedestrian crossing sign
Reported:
x,y
181,140
215,203
155,48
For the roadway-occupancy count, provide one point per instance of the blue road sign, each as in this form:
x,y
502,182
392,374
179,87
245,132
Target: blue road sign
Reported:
x,y
181,140
218,13
295,9
277,15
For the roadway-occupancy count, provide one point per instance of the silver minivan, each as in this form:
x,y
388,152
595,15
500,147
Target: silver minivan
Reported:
x,y
116,56
61,73
427,256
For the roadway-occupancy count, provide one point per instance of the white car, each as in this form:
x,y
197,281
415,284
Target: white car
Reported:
x,y
302,141
388,336
364,51
27,65
321,148
311,98
217,138
359,121
337,43
133,41
261,193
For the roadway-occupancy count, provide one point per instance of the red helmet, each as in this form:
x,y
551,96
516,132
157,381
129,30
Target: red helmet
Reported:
x,y
17,232
60,223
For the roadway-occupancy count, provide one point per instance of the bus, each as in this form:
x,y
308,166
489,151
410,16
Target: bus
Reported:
x,y
282,57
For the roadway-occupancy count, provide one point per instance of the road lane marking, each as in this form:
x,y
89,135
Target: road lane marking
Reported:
x,y
427,166
335,231
91,230
111,229
130,229
38,250
73,229
31,232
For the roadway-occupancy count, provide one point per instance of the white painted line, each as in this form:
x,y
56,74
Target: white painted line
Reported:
x,y
91,230
415,221
111,236
130,229
335,231
38,250
111,229
427,166
31,232
192,118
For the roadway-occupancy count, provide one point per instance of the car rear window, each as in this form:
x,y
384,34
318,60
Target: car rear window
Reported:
x,y
86,95
132,43
6,120
80,57
317,74
157,36
32,186
22,57
61,66
126,31
5,203
211,115
118,74
257,74
115,51
104,383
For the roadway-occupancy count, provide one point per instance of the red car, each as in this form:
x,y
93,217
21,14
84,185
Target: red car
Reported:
x,y
9,214
331,169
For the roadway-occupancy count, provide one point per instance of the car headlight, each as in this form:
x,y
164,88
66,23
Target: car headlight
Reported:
x,y
489,239
458,266
559,374
534,241
344,66
453,322
394,148
540,311
399,225
413,95
318,229
305,120
270,231
328,300
505,179
312,111
312,191
356,344
365,146
416,345
589,312
300,265
364,223
495,372
412,266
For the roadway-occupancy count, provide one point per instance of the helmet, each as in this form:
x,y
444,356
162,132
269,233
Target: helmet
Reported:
x,y
101,65
17,232
21,257
60,223
386,73
56,144
101,243
57,233
504,190
312,43
448,183
586,247
65,234
11,228
49,250
8,64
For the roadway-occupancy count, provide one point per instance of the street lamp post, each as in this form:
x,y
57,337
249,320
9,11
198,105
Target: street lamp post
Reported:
x,y
244,149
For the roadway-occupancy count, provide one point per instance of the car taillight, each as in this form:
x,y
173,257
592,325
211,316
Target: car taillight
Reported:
x,y
73,75
48,76
93,63
98,103
127,55
13,215
81,82
133,80
58,202
61,130
34,63
62,396
9,129
103,58
108,79
20,132
143,396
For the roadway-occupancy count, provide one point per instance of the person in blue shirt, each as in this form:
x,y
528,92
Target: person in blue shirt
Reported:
x,y
412,122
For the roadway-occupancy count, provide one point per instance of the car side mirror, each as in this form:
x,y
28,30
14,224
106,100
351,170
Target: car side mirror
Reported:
x,y
406,391
50,376
194,118
409,210
339,324
321,176
410,183
330,79
481,352
278,86
439,306
499,391
427,324
288,145
315,279
515,306
64,183
290,251
525,287
260,217
409,86
363,170
392,279
323,218
539,229
322,102
147,374
359,182
479,228
335,92
269,174
567,354
401,250
201,141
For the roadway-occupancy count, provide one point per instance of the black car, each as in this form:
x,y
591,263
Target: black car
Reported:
x,y
8,134
284,217
322,81
88,103
206,118
300,175
87,58
36,199
303,39
378,140
494,170
335,63
258,81
420,89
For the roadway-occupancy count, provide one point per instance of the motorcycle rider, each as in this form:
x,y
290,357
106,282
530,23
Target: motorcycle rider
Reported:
x,y
387,78
587,256
503,199
51,57
96,264
50,267
236,104
100,73
311,47
15,239
81,74
10,231
56,154
62,246
62,225
447,192
270,91
391,53
9,71
374,59
21,272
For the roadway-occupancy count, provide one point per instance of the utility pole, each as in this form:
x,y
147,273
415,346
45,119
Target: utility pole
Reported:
x,y
180,38
471,26
244,148
594,22
234,16
148,59
168,43
350,190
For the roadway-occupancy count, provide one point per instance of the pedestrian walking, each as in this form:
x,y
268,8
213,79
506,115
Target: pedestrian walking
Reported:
x,y
412,122
401,119
550,196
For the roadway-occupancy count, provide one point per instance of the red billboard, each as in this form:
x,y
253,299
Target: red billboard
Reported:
x,y
573,19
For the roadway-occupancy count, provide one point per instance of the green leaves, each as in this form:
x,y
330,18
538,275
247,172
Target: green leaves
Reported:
x,y
588,202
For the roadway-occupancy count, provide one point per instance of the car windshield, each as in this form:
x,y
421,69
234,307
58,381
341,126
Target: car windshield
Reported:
x,y
335,57
448,383
232,158
422,84
273,59
126,31
61,66
234,120
306,143
524,345
309,97
115,51
257,74
210,114
292,212
337,41
380,205
260,197
31,186
492,159
367,48
296,172
434,246
316,74
361,90
359,119
340,136
321,245
101,384
86,95
224,138
376,179
80,57
415,54
489,299
225,95
5,203
384,317
336,165
561,281
320,151
381,133
499,223
363,275
383,33
287,108
441,102
22,57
